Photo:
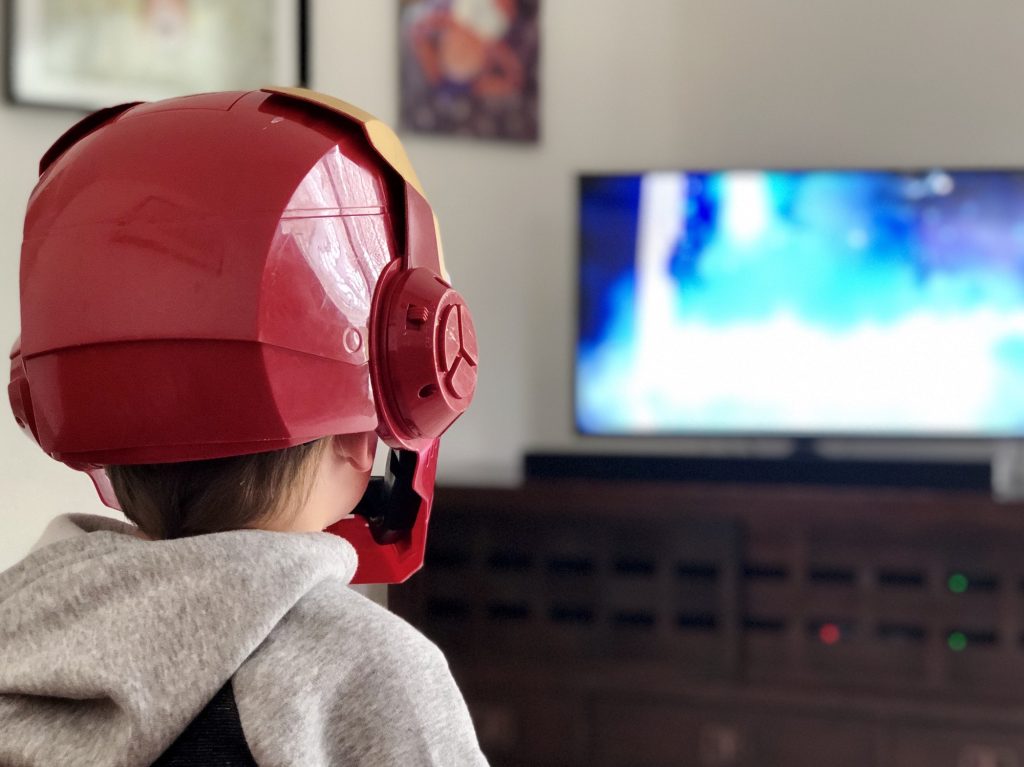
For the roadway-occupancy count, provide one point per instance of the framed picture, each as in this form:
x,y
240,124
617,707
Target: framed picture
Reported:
x,y
87,54
469,67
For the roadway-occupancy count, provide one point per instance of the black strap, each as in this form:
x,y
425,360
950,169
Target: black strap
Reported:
x,y
213,739
390,504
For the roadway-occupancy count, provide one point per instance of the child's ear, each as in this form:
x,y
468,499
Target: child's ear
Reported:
x,y
357,450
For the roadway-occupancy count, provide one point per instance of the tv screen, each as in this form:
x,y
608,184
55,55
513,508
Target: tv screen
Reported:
x,y
802,303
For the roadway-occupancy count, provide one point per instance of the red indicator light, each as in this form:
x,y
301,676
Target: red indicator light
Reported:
x,y
829,633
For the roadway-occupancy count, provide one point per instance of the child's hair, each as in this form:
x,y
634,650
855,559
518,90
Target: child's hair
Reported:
x,y
175,500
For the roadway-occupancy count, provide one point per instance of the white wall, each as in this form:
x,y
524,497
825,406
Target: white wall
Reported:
x,y
625,85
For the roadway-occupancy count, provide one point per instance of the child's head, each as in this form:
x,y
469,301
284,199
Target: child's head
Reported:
x,y
213,289
305,488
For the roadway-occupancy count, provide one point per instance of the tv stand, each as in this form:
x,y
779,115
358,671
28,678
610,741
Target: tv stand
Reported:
x,y
626,623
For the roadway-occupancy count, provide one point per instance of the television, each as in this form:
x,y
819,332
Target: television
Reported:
x,y
801,303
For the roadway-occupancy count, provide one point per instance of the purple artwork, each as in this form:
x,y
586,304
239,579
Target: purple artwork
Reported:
x,y
469,67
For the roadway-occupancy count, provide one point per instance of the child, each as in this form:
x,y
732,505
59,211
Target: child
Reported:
x,y
226,299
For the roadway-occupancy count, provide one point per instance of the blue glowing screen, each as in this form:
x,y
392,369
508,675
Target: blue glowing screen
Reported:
x,y
803,302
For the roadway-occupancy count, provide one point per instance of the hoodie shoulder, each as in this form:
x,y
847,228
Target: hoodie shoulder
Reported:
x,y
343,681
110,645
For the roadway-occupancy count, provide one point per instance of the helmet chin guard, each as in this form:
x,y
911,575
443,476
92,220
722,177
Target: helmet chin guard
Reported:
x,y
157,258
389,527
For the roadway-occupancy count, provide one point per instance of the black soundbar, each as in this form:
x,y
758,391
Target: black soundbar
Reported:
x,y
799,470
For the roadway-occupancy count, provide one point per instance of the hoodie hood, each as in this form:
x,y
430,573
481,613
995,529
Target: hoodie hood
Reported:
x,y
110,644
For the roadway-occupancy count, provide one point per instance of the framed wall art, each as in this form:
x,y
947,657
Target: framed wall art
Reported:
x,y
470,67
87,54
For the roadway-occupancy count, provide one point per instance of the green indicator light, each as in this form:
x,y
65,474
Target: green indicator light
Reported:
x,y
957,583
957,641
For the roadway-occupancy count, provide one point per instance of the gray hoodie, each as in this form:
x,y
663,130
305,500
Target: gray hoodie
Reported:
x,y
110,645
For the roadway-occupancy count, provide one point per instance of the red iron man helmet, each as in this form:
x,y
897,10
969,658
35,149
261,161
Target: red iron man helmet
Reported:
x,y
233,273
